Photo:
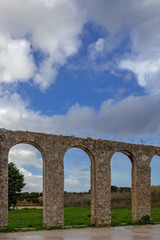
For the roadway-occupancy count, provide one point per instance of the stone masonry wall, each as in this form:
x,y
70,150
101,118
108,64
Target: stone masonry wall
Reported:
x,y
53,149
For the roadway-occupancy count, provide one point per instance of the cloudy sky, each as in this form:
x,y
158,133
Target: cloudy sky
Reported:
x,y
88,68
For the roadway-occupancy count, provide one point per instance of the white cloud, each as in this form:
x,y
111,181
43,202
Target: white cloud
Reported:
x,y
74,184
99,45
34,182
45,72
51,28
79,116
139,22
122,16
16,63
144,60
146,71
97,48
25,154
132,116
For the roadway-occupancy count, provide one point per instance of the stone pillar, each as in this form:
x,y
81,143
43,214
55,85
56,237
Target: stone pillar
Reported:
x,y
3,186
53,212
141,191
92,180
102,191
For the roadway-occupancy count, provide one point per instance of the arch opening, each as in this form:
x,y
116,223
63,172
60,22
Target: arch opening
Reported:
x,y
29,161
155,189
78,182
121,183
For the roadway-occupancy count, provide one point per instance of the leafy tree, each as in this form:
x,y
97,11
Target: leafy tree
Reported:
x,y
15,184
114,188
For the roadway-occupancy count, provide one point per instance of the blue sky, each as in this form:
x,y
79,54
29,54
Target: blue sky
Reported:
x,y
87,68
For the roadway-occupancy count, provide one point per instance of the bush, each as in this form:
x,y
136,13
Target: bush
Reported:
x,y
30,197
145,220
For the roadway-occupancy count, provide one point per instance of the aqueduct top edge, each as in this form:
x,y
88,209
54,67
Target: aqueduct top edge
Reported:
x,y
42,139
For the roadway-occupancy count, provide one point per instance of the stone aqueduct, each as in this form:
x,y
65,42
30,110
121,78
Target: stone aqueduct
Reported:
x,y
53,149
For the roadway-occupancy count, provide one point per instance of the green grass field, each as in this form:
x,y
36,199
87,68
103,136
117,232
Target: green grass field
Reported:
x,y
33,218
25,218
121,216
77,216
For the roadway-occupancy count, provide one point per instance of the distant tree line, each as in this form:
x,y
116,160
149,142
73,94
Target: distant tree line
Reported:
x,y
120,189
113,189
30,197
89,191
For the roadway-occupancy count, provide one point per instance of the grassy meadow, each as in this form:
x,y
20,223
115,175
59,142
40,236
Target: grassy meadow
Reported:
x,y
20,220
33,218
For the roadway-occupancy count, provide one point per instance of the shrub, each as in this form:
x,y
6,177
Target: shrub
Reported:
x,y
145,220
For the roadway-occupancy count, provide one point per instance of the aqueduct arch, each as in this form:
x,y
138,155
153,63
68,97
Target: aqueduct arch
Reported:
x,y
53,148
92,177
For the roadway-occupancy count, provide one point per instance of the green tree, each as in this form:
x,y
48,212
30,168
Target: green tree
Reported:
x,y
15,184
114,188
